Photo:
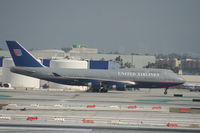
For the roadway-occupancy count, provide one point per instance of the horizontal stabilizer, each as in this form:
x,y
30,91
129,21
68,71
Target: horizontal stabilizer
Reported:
x,y
56,75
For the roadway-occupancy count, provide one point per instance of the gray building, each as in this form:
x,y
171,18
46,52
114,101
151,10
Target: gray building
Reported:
x,y
40,53
137,61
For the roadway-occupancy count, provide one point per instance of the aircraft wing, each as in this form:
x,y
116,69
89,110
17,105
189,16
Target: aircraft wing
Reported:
x,y
85,80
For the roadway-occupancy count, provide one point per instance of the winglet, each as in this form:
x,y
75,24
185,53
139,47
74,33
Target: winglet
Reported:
x,y
21,56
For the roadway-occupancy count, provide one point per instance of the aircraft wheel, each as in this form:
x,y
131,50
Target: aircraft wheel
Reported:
x,y
165,92
103,90
95,90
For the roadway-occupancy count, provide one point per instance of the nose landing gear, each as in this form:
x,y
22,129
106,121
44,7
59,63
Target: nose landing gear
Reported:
x,y
165,92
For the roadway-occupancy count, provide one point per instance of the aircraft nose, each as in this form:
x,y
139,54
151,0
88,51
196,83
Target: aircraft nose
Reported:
x,y
181,80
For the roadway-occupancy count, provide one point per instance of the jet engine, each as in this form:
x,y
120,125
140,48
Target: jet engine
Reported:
x,y
96,86
118,87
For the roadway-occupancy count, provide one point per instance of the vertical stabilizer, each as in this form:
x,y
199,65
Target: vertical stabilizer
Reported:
x,y
21,56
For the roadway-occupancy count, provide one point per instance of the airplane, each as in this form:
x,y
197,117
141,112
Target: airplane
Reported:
x,y
190,86
96,80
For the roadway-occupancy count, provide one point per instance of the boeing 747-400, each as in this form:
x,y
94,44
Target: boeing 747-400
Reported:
x,y
97,80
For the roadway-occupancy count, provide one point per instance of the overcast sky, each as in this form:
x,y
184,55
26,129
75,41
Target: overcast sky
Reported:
x,y
139,26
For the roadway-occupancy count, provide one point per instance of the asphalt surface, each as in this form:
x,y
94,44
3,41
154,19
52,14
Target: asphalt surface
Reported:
x,y
142,111
76,129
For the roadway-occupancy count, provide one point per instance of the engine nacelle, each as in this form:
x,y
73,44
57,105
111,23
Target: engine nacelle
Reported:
x,y
117,86
95,86
114,87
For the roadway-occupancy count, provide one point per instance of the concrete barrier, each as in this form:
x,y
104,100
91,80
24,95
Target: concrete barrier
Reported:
x,y
180,110
194,126
132,107
58,105
195,110
87,121
35,105
5,118
31,118
91,106
12,104
156,108
59,119
185,110
172,125
115,122
115,107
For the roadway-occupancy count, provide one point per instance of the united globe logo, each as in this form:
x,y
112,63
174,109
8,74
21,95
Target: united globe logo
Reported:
x,y
17,52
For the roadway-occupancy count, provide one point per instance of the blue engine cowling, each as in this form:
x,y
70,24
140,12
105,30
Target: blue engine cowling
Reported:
x,y
119,87
95,86
114,86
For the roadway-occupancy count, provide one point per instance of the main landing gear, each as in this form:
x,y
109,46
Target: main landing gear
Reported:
x,y
98,90
165,92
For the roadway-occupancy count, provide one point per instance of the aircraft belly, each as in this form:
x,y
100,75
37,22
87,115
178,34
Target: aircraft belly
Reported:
x,y
141,84
67,81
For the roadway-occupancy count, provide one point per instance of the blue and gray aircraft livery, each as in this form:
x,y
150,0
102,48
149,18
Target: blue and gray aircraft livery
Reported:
x,y
97,80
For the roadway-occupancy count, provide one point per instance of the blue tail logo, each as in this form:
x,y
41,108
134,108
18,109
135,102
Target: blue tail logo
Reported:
x,y
17,52
21,56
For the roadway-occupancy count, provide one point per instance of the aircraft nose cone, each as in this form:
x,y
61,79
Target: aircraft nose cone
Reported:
x,y
181,80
